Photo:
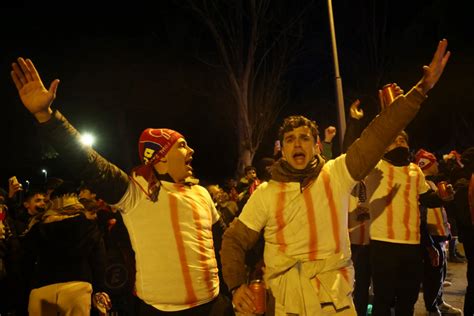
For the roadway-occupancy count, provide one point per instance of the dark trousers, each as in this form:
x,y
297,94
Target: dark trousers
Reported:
x,y
220,306
396,277
361,260
433,278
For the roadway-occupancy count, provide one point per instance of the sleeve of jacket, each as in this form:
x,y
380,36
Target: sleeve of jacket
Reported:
x,y
106,179
366,151
326,150
237,240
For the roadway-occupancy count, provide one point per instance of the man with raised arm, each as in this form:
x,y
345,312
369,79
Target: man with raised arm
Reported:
x,y
171,221
303,211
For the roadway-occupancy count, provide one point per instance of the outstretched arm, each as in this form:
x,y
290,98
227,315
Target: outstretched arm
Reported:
x,y
105,178
365,152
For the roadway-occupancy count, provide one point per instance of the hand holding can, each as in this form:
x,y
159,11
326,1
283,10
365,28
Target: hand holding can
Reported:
x,y
260,292
445,191
388,94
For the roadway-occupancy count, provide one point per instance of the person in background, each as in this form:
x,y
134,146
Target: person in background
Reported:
x,y
51,184
450,169
264,168
436,220
66,253
464,213
227,208
120,265
13,286
326,145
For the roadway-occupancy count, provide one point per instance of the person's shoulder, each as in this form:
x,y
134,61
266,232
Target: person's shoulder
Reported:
x,y
202,190
341,159
414,166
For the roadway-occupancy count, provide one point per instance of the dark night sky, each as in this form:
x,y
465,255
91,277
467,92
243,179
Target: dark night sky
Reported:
x,y
122,72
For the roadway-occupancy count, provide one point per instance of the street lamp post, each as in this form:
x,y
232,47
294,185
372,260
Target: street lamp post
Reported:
x,y
45,175
338,80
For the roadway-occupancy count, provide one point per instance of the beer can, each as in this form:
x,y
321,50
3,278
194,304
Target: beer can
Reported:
x,y
442,189
388,94
258,289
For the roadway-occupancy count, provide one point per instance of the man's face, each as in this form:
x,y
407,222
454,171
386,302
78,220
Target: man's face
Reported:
x,y
400,141
177,162
35,204
432,170
299,147
251,174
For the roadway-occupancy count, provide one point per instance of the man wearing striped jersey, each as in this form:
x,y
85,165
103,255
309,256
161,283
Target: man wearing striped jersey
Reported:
x,y
395,235
173,224
303,212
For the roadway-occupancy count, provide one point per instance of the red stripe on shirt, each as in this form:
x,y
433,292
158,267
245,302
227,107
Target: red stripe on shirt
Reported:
x,y
407,208
280,219
313,236
332,207
418,218
191,296
389,205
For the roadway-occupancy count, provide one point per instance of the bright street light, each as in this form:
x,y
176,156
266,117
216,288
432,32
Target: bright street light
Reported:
x,y
87,139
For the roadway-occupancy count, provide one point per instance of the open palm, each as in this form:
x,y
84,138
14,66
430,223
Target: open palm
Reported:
x,y
34,96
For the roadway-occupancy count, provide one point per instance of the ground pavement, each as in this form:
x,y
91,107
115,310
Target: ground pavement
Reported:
x,y
454,294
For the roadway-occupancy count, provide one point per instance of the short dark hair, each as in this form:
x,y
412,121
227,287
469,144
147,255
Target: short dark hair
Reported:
x,y
295,121
32,191
66,187
249,168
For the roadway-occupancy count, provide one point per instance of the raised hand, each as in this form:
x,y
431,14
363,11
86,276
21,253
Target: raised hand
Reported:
x,y
32,92
434,70
355,110
329,133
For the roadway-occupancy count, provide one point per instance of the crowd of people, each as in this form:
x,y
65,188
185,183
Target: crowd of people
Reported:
x,y
320,232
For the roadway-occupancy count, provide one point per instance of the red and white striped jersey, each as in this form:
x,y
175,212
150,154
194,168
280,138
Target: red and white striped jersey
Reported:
x,y
393,201
306,225
172,238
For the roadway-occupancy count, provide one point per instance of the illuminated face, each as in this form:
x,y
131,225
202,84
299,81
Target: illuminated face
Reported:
x,y
177,162
299,147
251,174
400,141
432,170
35,204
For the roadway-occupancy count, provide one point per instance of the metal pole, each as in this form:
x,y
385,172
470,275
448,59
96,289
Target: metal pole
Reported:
x,y
338,80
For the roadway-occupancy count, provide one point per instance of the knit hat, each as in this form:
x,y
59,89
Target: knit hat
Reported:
x,y
424,159
154,144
